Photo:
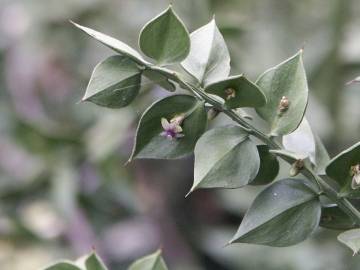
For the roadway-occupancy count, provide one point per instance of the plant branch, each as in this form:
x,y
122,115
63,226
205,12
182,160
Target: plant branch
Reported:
x,y
328,190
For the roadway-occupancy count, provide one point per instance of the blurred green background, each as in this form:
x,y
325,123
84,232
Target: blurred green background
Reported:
x,y
64,189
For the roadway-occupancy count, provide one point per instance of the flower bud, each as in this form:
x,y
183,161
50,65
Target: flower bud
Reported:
x,y
212,113
284,104
296,167
230,93
355,173
178,119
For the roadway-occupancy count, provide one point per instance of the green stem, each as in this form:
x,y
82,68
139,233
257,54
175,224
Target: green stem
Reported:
x,y
328,190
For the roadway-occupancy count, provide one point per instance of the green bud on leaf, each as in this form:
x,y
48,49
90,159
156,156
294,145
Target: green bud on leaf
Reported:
x,y
237,91
286,90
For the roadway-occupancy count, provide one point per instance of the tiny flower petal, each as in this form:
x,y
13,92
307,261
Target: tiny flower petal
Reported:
x,y
172,126
178,119
178,129
165,123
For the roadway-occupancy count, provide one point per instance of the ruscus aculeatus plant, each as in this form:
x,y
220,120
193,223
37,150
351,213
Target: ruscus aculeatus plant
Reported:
x,y
288,210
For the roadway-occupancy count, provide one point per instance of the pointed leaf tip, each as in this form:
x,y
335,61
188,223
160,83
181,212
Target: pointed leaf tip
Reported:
x,y
114,44
150,262
114,83
165,38
351,238
283,214
209,58
93,262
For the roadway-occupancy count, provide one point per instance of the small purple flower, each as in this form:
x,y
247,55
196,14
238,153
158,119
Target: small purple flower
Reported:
x,y
173,129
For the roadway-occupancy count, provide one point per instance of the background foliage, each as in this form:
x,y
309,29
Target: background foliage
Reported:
x,y
63,186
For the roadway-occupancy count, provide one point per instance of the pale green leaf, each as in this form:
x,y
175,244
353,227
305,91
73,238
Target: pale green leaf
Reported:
x,y
151,262
160,79
269,167
237,91
225,158
93,262
306,143
62,266
287,80
209,59
322,157
150,144
283,214
351,238
165,38
332,217
339,169
301,141
114,83
114,44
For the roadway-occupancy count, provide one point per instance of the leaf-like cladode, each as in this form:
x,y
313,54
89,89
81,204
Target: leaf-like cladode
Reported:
x,y
322,157
301,141
332,217
93,262
150,262
114,83
62,266
114,44
269,167
209,58
286,90
149,143
165,38
160,79
340,169
351,238
225,158
307,144
283,214
237,91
